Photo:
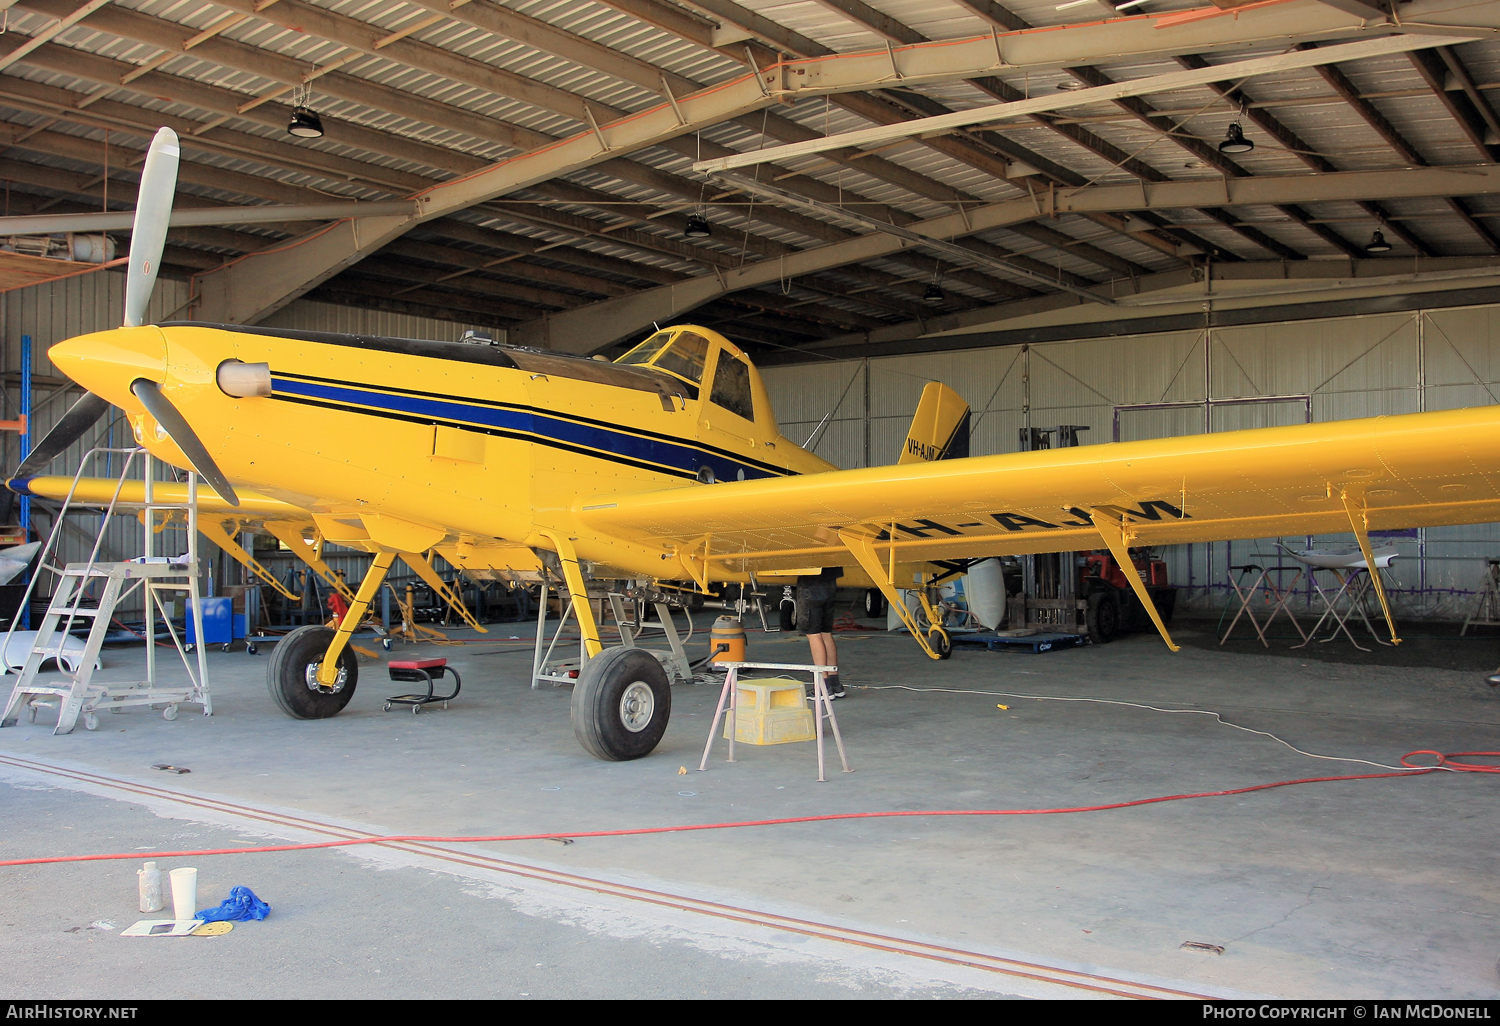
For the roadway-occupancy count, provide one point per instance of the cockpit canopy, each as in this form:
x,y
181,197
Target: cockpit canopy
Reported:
x,y
695,355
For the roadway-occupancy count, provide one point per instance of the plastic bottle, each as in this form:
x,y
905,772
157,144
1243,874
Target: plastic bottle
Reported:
x,y
150,883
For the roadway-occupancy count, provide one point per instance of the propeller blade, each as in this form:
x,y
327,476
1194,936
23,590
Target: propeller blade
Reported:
x,y
80,417
153,208
167,415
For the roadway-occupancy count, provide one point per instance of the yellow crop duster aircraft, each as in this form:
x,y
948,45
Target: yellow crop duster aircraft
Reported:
x,y
667,465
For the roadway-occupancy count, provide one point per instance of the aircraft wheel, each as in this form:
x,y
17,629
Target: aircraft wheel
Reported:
x,y
292,674
1102,617
621,704
938,640
874,604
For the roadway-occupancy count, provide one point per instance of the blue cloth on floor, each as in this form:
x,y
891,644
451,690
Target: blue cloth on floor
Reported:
x,y
241,905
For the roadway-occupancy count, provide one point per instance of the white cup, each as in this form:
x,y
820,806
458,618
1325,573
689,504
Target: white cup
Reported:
x,y
184,894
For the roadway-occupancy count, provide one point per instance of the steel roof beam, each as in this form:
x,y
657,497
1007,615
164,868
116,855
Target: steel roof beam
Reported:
x,y
1434,71
114,114
1145,35
897,32
594,326
1302,150
253,288
883,112
1353,275
1382,126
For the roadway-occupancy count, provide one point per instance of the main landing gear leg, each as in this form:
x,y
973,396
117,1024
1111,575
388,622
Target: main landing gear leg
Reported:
x,y
313,672
622,700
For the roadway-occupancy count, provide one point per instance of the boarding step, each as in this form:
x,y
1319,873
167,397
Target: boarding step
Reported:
x,y
131,570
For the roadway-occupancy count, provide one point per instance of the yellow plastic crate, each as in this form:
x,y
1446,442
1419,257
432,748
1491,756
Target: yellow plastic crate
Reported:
x,y
771,712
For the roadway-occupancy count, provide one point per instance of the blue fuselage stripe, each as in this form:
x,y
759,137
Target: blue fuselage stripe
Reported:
x,y
673,457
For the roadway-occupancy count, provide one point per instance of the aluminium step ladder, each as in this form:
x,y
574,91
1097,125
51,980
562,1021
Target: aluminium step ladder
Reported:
x,y
79,694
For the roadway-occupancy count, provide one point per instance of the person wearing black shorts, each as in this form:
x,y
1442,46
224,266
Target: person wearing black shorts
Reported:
x,y
815,594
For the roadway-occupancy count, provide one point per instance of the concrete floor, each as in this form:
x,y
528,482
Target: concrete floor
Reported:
x,y
1376,888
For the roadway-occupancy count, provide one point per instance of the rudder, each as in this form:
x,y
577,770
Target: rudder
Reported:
x,y
939,428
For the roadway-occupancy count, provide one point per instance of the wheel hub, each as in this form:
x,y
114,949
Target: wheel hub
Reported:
x,y
314,685
637,705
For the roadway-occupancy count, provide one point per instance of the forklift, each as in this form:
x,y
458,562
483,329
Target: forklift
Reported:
x,y
1084,592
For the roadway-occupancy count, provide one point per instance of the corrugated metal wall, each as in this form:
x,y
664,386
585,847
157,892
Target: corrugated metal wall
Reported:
x,y
1156,385
93,302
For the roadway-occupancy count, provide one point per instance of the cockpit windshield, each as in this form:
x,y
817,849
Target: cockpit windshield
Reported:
x,y
647,350
682,353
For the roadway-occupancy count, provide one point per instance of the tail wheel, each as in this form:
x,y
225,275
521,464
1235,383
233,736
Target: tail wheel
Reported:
x,y
621,704
787,615
874,604
939,642
293,674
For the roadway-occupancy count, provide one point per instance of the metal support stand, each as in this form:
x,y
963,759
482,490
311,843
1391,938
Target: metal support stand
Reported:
x,y
1275,595
1354,588
1486,612
676,661
80,694
822,706
540,661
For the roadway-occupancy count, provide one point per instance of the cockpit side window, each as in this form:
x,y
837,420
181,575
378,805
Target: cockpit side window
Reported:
x,y
732,386
685,357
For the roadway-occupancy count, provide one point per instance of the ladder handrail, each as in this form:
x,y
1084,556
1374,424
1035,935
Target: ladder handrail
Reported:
x,y
56,533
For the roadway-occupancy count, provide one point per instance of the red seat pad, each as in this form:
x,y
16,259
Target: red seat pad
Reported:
x,y
416,664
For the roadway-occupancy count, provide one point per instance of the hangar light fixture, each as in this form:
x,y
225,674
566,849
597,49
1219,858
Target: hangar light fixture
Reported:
x,y
1235,141
1378,244
697,227
305,123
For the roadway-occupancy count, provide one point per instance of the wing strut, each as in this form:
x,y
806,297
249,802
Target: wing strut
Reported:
x,y
862,546
1359,521
424,570
1113,532
290,535
215,532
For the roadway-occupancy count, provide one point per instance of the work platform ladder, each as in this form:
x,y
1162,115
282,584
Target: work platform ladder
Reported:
x,y
632,623
78,694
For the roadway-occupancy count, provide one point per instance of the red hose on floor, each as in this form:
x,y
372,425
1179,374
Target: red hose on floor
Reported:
x,y
1445,763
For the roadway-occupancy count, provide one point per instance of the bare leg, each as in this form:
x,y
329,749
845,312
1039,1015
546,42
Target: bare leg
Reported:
x,y
819,643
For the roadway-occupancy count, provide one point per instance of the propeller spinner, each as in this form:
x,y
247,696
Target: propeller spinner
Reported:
x,y
148,237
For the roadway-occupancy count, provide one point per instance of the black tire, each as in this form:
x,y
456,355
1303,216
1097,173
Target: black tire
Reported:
x,y
1102,617
787,615
607,690
288,670
874,604
938,640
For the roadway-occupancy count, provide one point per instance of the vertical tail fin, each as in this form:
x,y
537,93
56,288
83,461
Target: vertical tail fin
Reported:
x,y
940,427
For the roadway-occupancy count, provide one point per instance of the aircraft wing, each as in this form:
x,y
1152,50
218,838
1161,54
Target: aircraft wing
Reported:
x,y
1414,470
100,491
